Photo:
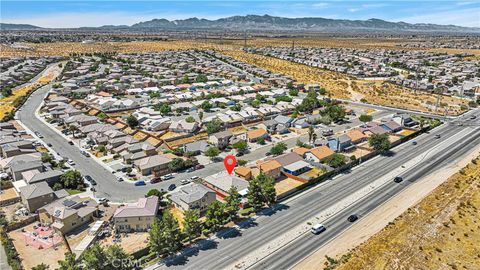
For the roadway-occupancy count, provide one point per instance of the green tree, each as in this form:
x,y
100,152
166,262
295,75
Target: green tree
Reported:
x,y
215,216
132,121
213,126
379,142
155,192
240,145
70,262
206,106
261,140
278,149
101,116
46,158
365,118
163,108
293,92
232,203
41,266
335,160
212,152
95,257
254,194
267,185
165,235
185,79
310,102
190,119
71,179
335,112
201,78
176,164
200,116
242,162
237,107
192,227
116,255
255,103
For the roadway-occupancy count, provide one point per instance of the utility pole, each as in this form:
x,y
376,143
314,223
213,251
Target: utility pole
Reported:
x,y
245,39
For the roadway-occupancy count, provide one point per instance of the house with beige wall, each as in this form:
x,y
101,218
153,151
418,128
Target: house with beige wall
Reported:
x,y
136,217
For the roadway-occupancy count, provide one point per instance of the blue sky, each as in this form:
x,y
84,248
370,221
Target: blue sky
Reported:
x,y
96,13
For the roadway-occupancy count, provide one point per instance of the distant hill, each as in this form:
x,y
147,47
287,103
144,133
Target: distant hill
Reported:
x,y
11,26
267,22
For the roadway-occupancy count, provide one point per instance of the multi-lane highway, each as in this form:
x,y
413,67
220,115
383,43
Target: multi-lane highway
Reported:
x,y
254,241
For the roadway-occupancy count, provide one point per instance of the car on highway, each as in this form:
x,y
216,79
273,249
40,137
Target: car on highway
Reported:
x,y
438,136
397,179
352,218
140,183
318,228
473,117
172,187
414,143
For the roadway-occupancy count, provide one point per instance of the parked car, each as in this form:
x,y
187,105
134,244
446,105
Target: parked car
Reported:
x,y
155,180
167,176
49,144
193,178
70,162
473,117
184,181
239,154
317,228
398,179
199,166
102,199
85,153
189,170
119,179
140,183
93,182
172,187
268,154
414,143
70,142
89,179
352,218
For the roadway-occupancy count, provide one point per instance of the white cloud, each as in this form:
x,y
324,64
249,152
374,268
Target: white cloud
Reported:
x,y
353,9
463,17
320,5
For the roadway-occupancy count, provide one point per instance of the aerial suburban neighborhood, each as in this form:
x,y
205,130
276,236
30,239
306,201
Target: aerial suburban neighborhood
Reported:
x,y
248,142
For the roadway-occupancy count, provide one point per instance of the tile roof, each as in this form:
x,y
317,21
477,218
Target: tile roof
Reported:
x,y
144,207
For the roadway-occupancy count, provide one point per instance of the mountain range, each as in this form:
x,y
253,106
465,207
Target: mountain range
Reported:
x,y
272,23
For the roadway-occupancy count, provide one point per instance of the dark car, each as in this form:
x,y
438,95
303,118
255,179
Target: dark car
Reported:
x,y
155,180
88,178
268,154
172,187
49,144
199,166
398,179
239,154
140,183
70,142
352,218
414,143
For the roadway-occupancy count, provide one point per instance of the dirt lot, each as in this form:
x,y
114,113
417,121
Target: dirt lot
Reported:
x,y
440,232
31,255
285,185
130,242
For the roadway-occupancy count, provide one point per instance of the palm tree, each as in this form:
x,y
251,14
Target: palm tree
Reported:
x,y
314,137
311,131
73,129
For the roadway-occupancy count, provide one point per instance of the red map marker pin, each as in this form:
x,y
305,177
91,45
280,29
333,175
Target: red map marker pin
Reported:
x,y
229,162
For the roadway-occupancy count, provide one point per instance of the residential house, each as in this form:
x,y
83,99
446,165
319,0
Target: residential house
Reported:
x,y
221,139
255,134
341,143
271,168
318,154
68,213
36,196
196,147
297,168
138,216
193,196
183,126
222,182
155,164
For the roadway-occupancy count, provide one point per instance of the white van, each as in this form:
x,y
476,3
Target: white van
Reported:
x,y
317,228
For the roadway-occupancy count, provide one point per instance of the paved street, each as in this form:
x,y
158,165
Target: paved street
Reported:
x,y
231,251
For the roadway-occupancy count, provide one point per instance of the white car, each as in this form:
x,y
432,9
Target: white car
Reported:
x,y
317,228
70,162
184,181
193,178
